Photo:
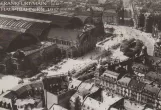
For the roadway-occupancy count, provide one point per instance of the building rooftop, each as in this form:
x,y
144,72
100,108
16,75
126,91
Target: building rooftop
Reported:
x,y
21,102
24,18
92,103
132,105
64,34
74,83
136,85
154,89
102,105
34,48
6,37
153,76
141,68
125,81
21,25
110,12
110,74
85,88
61,19
21,88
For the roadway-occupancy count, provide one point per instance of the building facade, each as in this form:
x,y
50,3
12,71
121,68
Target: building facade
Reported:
x,y
74,42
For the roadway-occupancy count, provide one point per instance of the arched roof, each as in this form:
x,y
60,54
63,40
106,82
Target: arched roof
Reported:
x,y
60,19
8,36
24,26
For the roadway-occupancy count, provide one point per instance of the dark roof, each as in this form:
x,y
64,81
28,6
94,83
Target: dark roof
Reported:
x,y
6,37
136,85
10,95
152,89
36,48
31,27
140,67
21,88
154,60
125,80
153,76
109,12
82,17
36,28
57,19
14,23
64,34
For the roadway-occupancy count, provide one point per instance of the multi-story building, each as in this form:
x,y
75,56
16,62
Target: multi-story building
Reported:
x,y
28,60
101,101
136,88
149,19
140,70
153,76
56,91
108,80
140,20
150,94
9,38
110,16
122,87
31,90
83,91
74,42
154,63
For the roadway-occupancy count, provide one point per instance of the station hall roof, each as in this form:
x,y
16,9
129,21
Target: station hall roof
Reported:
x,y
55,18
32,27
6,37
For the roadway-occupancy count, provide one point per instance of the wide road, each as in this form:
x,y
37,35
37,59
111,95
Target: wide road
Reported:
x,y
129,32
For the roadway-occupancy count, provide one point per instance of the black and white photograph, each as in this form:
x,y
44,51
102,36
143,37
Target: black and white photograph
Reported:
x,y
80,54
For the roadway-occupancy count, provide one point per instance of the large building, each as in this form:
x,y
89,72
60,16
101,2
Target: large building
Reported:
x,y
30,60
18,33
36,28
9,38
141,86
74,42
33,90
58,19
56,91
110,16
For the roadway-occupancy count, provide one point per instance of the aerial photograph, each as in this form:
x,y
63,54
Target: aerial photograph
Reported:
x,y
80,54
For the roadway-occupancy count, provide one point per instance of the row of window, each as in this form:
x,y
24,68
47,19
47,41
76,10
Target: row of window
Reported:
x,y
141,69
123,92
107,78
61,42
